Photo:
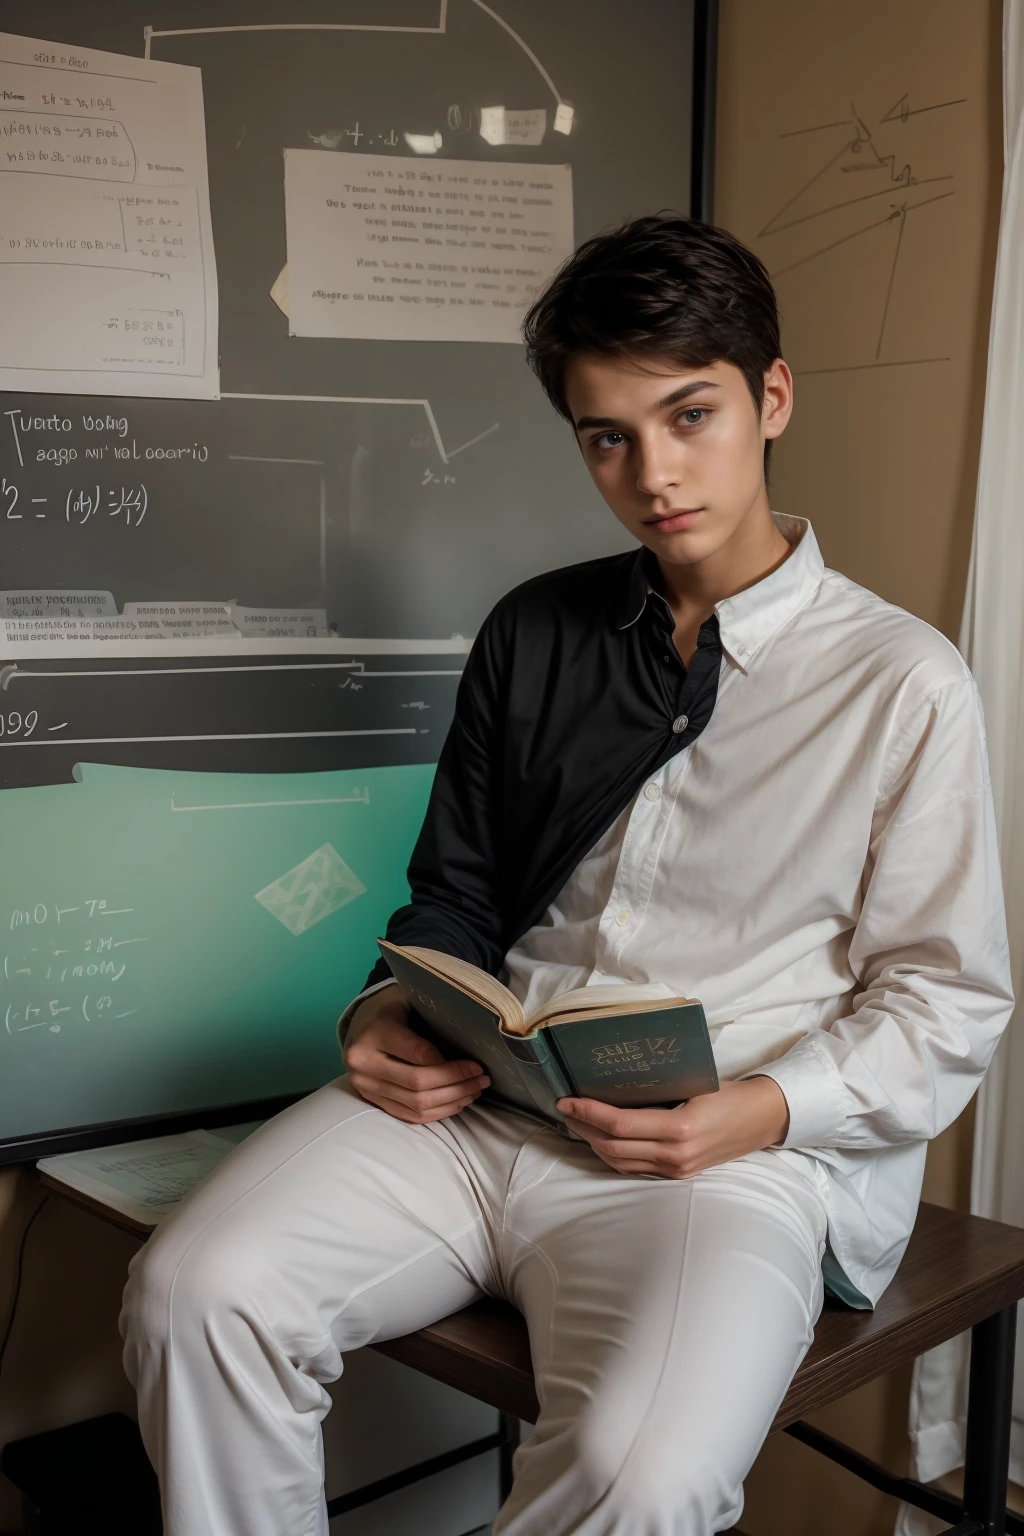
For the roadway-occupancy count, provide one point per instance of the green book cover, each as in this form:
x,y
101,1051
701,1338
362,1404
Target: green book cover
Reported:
x,y
639,1056
636,1058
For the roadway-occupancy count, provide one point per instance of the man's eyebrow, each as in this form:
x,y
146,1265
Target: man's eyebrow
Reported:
x,y
683,393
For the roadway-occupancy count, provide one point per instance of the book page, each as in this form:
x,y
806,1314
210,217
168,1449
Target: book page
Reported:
x,y
109,282
469,978
606,998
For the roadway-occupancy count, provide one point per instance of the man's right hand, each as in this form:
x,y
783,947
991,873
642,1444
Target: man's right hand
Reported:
x,y
393,1067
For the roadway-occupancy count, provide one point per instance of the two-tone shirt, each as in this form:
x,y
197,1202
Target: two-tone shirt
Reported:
x,y
797,830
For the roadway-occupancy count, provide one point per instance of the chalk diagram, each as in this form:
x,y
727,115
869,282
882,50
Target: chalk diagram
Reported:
x,y
860,198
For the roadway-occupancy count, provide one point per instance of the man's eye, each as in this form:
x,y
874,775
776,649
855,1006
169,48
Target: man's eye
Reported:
x,y
694,415
609,440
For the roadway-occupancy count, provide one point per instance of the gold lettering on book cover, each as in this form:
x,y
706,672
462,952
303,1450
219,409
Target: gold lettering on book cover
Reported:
x,y
634,1055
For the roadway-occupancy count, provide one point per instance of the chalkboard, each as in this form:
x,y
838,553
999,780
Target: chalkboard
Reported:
x,y
205,831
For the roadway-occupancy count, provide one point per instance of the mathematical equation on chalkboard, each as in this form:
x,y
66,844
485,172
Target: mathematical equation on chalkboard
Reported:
x,y
70,962
79,503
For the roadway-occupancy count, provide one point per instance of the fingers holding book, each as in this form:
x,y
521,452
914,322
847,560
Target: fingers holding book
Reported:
x,y
390,1065
712,1128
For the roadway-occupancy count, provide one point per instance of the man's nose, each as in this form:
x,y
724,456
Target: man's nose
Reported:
x,y
656,469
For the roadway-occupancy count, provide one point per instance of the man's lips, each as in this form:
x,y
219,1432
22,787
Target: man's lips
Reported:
x,y
670,522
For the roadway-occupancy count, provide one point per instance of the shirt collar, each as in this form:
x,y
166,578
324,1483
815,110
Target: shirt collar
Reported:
x,y
754,615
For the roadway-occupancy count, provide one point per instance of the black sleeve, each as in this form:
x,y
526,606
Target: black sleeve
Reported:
x,y
454,873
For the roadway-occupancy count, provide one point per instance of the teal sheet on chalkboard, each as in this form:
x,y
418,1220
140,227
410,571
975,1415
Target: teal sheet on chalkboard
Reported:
x,y
173,941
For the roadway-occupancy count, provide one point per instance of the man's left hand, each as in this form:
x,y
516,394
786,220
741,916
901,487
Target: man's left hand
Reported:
x,y
677,1143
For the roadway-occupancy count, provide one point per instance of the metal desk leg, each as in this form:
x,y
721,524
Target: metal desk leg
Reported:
x,y
989,1410
509,1431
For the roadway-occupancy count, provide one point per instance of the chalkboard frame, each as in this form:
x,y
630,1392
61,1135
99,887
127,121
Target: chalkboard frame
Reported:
x,y
27,1148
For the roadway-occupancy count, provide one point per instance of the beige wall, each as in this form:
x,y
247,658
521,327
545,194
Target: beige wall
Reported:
x,y
883,458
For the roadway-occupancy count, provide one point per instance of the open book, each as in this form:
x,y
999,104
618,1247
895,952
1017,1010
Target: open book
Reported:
x,y
626,1045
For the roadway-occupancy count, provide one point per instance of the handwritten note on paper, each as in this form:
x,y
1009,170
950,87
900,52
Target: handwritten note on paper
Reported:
x,y
109,281
401,250
145,1179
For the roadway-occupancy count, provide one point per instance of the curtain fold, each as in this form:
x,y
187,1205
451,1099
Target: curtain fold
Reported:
x,y
992,642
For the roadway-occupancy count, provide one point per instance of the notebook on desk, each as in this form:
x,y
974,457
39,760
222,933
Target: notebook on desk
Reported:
x,y
140,1182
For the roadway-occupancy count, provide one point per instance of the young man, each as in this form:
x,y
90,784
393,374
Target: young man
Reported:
x,y
711,762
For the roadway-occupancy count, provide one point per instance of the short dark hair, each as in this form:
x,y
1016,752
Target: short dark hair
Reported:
x,y
658,286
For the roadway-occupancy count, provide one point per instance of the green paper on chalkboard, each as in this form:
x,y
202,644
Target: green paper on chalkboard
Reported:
x,y
175,941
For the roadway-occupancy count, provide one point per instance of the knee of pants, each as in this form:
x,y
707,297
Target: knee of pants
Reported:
x,y
180,1293
656,1477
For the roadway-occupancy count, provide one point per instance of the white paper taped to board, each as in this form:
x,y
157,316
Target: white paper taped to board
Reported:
x,y
501,125
57,632
183,618
284,623
402,250
40,638
56,603
109,279
279,290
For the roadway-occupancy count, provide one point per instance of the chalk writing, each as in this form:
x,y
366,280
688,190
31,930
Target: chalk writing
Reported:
x,y
129,502
69,961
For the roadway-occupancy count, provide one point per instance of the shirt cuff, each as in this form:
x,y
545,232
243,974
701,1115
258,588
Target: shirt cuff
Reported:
x,y
814,1091
346,1018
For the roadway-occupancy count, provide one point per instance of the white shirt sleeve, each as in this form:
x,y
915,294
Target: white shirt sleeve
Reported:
x,y
929,949
346,1018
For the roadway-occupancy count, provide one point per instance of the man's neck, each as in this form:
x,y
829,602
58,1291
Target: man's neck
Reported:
x,y
756,548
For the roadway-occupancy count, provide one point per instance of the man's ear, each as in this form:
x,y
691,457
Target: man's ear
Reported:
x,y
777,406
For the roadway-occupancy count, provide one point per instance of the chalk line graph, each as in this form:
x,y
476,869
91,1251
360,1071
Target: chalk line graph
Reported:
x,y
861,153
439,30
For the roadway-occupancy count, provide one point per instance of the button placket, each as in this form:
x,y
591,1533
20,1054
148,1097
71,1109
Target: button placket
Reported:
x,y
663,811
631,889
616,924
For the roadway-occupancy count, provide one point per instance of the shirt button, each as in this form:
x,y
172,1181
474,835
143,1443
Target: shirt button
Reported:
x,y
652,792
680,723
622,917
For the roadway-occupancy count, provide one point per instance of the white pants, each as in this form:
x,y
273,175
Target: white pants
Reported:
x,y
666,1318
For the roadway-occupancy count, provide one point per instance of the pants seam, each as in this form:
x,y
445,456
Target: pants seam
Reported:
x,y
664,1364
396,1269
549,1265
231,1206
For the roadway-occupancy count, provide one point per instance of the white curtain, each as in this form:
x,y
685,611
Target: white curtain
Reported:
x,y
992,641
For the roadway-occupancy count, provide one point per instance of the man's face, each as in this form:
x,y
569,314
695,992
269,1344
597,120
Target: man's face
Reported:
x,y
677,453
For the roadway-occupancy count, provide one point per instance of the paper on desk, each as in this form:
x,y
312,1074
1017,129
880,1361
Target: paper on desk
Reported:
x,y
144,1179
109,281
400,249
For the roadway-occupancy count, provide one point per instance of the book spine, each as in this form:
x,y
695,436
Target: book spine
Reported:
x,y
559,1065
541,1069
